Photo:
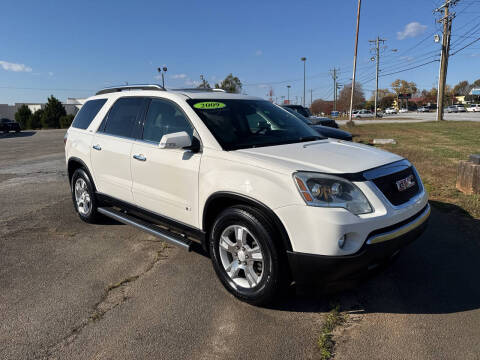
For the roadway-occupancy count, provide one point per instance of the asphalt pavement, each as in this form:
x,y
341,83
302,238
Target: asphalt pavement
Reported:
x,y
414,117
71,290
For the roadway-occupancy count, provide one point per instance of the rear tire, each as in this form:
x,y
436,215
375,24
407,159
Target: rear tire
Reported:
x,y
244,256
83,196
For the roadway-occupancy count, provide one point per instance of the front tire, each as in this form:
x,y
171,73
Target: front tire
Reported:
x,y
244,255
83,196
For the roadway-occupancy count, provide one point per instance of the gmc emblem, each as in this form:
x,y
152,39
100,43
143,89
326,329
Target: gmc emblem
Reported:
x,y
404,184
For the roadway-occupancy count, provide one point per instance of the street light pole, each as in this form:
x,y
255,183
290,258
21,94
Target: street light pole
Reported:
x,y
355,61
288,93
304,59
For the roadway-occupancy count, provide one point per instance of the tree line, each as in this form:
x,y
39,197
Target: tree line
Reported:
x,y
52,116
387,97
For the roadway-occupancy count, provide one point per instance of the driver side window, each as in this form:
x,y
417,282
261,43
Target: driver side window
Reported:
x,y
164,117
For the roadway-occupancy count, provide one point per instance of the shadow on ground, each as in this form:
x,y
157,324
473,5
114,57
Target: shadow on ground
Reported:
x,y
19,134
436,274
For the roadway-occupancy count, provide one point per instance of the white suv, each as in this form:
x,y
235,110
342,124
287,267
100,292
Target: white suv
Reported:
x,y
269,199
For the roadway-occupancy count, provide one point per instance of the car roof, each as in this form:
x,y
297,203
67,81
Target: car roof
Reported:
x,y
158,90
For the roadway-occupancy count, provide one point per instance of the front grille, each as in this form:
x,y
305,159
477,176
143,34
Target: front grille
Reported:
x,y
388,186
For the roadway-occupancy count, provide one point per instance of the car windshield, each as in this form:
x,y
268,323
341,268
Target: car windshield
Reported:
x,y
240,124
298,115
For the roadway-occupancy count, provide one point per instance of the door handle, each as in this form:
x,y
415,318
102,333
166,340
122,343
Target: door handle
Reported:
x,y
97,147
140,157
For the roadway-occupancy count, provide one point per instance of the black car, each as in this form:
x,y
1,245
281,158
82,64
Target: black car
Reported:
x,y
322,130
7,125
315,120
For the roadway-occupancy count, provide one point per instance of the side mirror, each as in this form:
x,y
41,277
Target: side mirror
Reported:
x,y
178,140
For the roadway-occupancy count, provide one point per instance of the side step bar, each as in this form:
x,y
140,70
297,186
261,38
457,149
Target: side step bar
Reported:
x,y
146,226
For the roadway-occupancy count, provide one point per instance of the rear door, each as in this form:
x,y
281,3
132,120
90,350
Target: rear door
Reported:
x,y
165,181
112,147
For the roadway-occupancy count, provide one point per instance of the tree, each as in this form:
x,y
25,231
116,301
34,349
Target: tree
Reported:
x,y
231,84
385,98
66,121
386,101
24,117
36,119
462,88
320,106
52,113
343,102
404,87
429,96
203,84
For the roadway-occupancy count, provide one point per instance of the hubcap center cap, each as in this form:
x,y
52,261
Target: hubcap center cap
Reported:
x,y
241,255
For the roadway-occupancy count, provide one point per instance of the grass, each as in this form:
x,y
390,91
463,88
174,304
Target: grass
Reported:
x,y
435,148
325,342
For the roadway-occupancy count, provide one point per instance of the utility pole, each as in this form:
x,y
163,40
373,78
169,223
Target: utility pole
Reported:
x,y
447,29
311,97
355,61
377,42
335,87
304,59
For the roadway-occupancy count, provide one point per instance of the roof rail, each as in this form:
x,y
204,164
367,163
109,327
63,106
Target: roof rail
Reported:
x,y
130,87
199,90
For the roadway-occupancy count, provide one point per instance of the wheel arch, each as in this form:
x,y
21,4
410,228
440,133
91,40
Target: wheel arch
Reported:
x,y
221,200
75,163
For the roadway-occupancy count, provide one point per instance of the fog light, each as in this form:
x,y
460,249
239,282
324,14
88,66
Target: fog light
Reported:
x,y
341,241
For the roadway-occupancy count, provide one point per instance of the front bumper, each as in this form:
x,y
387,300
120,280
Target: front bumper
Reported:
x,y
381,245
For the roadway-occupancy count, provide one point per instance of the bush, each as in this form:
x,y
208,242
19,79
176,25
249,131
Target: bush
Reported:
x,y
66,121
36,119
24,117
52,113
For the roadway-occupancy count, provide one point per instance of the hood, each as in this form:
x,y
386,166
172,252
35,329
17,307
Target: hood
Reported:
x,y
328,156
332,133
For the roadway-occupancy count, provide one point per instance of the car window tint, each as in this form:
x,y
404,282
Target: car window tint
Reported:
x,y
122,116
86,114
164,117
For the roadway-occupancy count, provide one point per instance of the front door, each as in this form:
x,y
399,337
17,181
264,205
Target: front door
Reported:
x,y
165,181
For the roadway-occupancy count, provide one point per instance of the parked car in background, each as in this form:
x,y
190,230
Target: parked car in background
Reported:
x,y
300,109
390,111
7,125
316,120
460,108
364,114
451,109
402,111
473,108
423,109
326,131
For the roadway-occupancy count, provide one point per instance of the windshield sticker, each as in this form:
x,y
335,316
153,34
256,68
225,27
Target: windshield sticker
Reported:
x,y
207,105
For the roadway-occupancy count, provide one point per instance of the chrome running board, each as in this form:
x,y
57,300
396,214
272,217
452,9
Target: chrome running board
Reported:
x,y
150,228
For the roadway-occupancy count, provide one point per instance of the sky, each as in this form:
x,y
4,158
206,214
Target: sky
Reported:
x,y
72,49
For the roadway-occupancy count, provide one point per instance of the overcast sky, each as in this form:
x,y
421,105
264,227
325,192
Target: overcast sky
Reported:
x,y
71,49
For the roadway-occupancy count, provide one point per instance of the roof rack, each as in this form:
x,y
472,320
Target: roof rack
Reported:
x,y
130,87
200,90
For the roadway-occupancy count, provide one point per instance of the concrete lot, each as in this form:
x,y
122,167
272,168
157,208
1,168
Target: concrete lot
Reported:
x,y
70,290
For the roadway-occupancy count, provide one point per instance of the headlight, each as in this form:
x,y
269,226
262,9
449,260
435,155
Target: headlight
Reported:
x,y
331,191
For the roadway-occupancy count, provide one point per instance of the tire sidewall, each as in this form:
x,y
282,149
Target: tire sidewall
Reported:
x,y
242,217
80,173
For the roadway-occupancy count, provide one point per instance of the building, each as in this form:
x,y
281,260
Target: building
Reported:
x,y
72,105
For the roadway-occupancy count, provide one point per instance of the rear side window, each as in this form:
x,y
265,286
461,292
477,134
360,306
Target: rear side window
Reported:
x,y
122,116
86,114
